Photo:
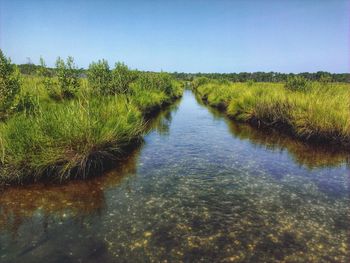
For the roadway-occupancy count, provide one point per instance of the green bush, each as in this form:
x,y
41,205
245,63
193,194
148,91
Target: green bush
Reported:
x,y
325,79
10,84
200,81
297,83
42,70
28,103
250,83
164,83
100,77
122,76
155,81
67,74
45,74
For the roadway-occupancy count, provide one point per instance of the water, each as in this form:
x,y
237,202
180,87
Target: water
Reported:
x,y
201,188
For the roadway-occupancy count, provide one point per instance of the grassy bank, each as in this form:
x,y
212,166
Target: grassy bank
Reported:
x,y
312,111
49,135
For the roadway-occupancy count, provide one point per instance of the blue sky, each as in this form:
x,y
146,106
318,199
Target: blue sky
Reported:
x,y
189,36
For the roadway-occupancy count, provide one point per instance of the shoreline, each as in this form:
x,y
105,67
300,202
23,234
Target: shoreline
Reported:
x,y
287,129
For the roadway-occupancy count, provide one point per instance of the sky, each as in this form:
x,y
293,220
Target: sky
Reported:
x,y
182,35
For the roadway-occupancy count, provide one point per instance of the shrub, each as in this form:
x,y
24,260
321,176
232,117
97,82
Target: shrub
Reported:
x,y
200,81
10,82
297,83
42,70
325,79
28,103
156,81
164,83
46,78
67,74
122,76
250,83
100,77
223,81
152,90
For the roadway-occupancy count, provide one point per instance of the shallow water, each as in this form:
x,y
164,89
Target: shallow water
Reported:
x,y
200,188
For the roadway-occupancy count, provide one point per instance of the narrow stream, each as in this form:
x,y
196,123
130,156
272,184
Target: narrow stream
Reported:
x,y
200,188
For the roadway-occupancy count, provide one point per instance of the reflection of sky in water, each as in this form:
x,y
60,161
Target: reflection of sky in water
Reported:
x,y
200,188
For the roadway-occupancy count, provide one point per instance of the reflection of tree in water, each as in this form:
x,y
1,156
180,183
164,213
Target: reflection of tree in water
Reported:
x,y
310,155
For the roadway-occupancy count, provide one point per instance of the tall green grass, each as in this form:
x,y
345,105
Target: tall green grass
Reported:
x,y
57,140
68,139
318,112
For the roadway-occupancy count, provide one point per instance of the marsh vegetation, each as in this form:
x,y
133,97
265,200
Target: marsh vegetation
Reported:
x,y
58,125
317,111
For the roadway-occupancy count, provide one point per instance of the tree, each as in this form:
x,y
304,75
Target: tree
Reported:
x,y
325,79
297,83
100,77
10,83
122,76
45,74
67,74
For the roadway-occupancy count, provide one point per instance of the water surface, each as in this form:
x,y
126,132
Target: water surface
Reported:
x,y
200,188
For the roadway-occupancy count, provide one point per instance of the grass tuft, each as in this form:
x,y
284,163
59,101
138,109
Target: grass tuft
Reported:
x,y
319,113
60,140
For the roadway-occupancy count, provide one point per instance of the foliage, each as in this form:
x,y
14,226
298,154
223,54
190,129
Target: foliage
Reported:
x,y
28,103
122,76
200,81
45,74
67,74
10,82
318,113
100,77
42,69
152,90
77,137
250,83
110,82
262,76
155,81
68,139
297,83
28,69
325,79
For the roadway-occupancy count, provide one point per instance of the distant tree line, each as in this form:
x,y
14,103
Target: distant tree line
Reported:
x,y
265,76
31,69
